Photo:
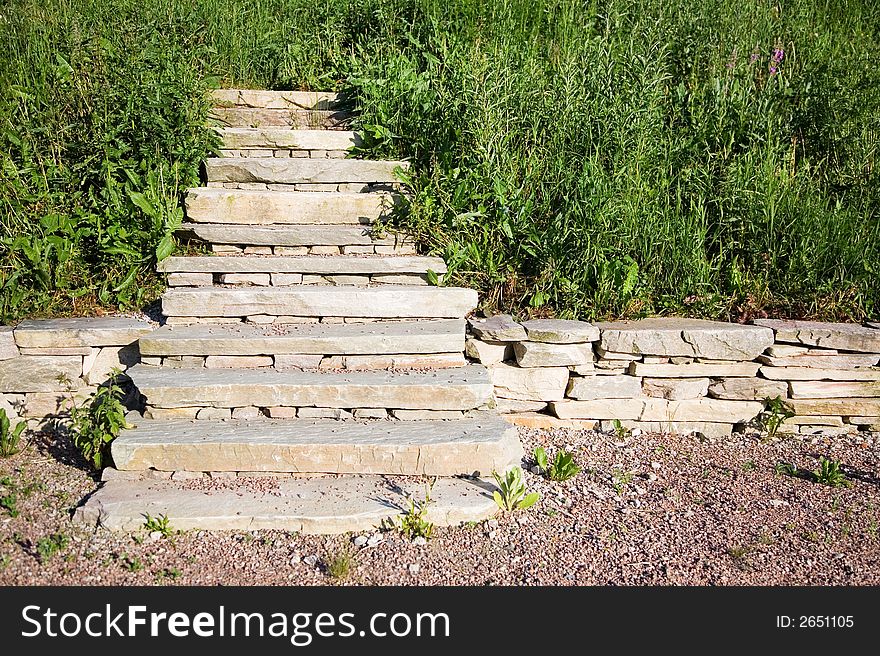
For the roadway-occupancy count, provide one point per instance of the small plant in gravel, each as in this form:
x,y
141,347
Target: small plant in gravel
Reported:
x,y
98,420
341,564
50,545
168,573
787,469
9,503
776,411
511,493
414,522
132,563
159,524
620,479
739,554
561,468
9,437
830,473
620,431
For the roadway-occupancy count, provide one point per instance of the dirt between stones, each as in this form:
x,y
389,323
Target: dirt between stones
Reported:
x,y
645,510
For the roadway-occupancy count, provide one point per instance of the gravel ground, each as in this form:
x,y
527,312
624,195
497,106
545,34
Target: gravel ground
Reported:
x,y
645,510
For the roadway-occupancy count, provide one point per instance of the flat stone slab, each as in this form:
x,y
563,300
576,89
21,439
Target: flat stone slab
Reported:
x,y
296,118
660,410
41,373
810,373
675,389
529,384
431,448
813,389
303,505
685,337
256,207
695,370
276,170
843,336
383,301
498,328
8,348
604,387
560,331
846,407
375,338
748,389
463,388
541,354
285,235
267,99
306,264
90,331
832,361
285,138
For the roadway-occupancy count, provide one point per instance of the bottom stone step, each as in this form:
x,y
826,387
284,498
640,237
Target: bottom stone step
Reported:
x,y
314,506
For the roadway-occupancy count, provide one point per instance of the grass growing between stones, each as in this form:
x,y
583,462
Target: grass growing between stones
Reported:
x,y
588,159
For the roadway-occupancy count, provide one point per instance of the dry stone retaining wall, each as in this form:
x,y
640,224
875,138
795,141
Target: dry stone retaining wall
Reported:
x,y
47,365
681,375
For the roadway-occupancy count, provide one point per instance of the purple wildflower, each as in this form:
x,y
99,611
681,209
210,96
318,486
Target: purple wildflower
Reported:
x,y
754,58
776,59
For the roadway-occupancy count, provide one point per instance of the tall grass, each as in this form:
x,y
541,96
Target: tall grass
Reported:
x,y
585,158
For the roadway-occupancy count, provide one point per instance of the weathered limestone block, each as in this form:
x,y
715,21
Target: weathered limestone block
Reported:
x,y
748,389
846,407
843,336
370,413
102,364
281,412
275,138
686,337
94,331
181,279
14,405
832,360
214,413
8,348
285,279
171,413
298,171
867,423
604,387
809,389
427,415
560,331
709,430
323,413
675,389
498,328
41,373
488,352
505,406
70,350
827,431
816,420
540,354
298,361
257,279
184,361
710,410
536,384
404,361
247,412
660,410
695,370
238,361
259,250
53,404
810,373
617,356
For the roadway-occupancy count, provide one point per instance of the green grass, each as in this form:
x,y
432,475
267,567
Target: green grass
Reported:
x,y
584,158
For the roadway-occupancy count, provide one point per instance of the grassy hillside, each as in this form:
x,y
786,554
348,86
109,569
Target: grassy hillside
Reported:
x,y
585,158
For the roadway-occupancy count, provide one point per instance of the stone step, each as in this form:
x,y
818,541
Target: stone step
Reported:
x,y
259,207
355,265
266,99
443,336
382,301
298,119
280,138
326,446
275,170
287,235
327,505
463,388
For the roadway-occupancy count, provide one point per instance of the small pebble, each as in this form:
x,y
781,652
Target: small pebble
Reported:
x,y
374,539
155,535
419,541
414,569
361,541
311,561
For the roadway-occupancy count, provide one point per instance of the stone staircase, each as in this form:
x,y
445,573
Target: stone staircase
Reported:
x,y
308,377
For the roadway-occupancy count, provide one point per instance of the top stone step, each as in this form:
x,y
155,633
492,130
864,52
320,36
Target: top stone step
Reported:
x,y
262,99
